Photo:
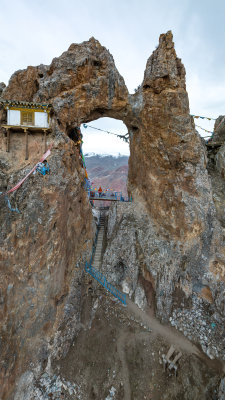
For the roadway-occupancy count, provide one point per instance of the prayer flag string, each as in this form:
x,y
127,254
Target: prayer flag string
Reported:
x,y
123,137
199,116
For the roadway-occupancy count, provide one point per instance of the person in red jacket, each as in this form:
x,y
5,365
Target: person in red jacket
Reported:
x,y
100,191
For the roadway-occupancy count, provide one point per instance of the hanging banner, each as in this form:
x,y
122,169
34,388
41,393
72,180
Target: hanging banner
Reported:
x,y
48,152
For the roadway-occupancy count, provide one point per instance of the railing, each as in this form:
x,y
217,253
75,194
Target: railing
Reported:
x,y
94,244
103,281
113,196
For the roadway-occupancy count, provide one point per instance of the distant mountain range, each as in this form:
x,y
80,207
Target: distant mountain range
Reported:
x,y
109,172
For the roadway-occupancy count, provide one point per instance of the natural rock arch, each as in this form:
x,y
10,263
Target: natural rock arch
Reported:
x,y
167,176
167,165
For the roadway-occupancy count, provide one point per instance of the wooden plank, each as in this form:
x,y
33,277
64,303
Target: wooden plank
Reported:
x,y
8,141
172,363
26,145
45,140
170,352
22,127
178,356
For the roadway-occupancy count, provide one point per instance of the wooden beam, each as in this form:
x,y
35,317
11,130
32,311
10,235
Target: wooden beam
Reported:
x,y
8,140
172,363
45,140
26,145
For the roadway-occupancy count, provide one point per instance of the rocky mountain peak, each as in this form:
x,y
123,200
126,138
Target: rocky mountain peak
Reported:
x,y
164,69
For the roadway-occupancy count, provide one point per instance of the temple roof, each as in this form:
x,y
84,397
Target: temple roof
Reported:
x,y
24,104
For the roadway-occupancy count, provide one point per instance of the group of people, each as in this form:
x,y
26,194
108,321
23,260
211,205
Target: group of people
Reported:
x,y
103,194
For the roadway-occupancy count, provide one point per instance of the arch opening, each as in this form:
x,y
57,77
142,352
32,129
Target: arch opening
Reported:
x,y
105,147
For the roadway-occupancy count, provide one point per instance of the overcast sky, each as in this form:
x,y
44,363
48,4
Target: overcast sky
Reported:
x,y
33,32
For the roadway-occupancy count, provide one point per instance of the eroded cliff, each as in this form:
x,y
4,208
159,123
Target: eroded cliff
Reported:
x,y
166,249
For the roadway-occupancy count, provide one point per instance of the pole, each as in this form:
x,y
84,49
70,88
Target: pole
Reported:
x,y
26,152
8,140
45,140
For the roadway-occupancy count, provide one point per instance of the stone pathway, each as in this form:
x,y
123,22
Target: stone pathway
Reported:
x,y
99,244
169,334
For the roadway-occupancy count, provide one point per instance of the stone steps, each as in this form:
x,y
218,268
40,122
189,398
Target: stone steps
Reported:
x,y
98,249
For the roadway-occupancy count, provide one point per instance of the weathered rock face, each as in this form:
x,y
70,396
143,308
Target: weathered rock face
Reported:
x,y
166,276
167,163
216,167
82,84
41,249
172,255
219,129
41,246
2,87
